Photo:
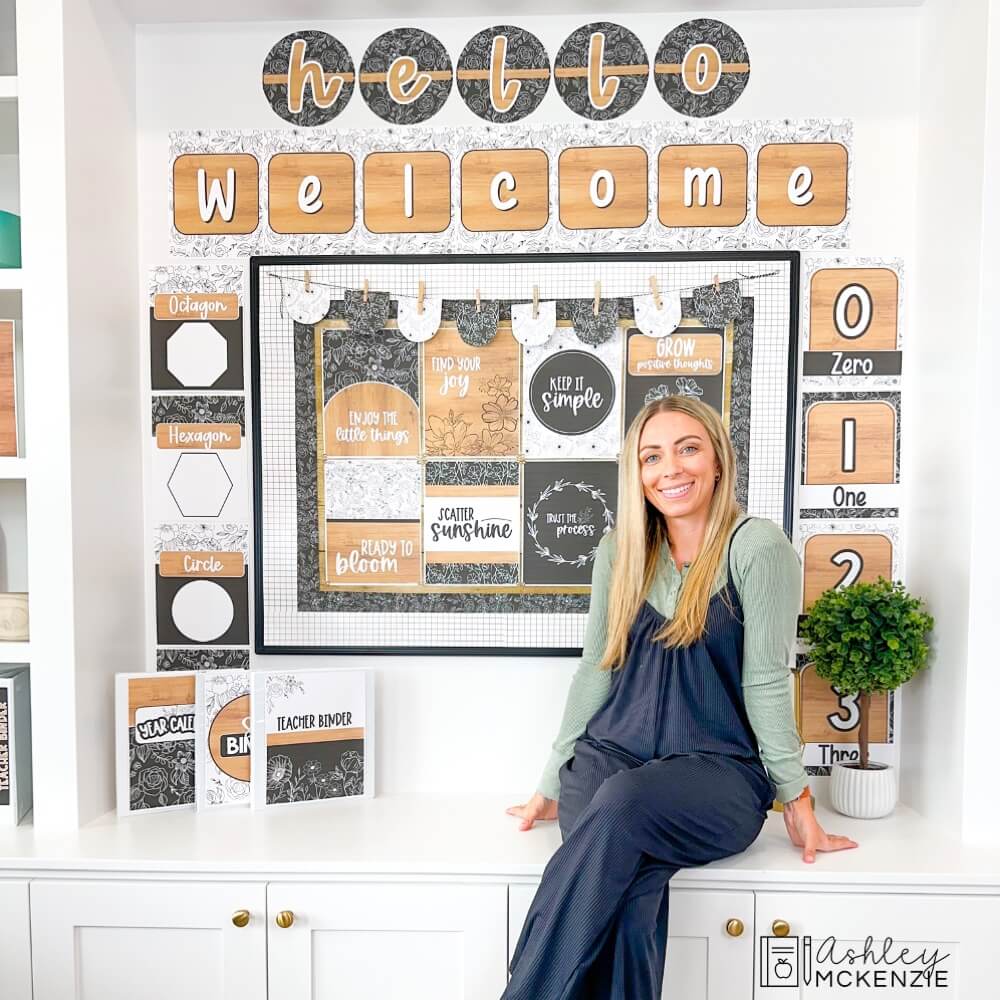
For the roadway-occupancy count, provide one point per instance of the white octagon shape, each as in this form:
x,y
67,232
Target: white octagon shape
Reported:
x,y
196,354
200,484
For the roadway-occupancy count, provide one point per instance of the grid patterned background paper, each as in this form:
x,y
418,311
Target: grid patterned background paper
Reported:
x,y
287,620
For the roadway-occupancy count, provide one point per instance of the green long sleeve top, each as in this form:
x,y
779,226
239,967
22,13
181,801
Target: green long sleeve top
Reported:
x,y
767,573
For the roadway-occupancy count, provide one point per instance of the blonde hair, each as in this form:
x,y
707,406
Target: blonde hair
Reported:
x,y
641,531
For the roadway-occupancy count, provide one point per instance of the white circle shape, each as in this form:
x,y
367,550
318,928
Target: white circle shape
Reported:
x,y
202,610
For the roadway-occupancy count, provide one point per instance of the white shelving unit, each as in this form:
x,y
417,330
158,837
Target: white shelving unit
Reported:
x,y
66,89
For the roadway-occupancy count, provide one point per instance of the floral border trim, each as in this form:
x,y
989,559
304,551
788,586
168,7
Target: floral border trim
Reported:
x,y
197,278
193,537
202,659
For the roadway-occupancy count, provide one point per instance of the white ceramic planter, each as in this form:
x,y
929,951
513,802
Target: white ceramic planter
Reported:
x,y
863,794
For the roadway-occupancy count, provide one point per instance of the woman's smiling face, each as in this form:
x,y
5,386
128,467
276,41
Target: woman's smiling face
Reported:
x,y
677,463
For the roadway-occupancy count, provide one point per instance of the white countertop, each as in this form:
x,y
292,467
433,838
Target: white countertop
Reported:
x,y
467,837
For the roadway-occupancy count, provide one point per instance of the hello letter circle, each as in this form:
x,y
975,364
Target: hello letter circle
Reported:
x,y
601,70
406,76
503,73
308,78
702,67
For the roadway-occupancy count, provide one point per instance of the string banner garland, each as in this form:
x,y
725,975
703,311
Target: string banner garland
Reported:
x,y
449,491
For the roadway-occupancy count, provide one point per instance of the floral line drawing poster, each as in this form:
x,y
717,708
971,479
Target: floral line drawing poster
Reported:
x,y
312,736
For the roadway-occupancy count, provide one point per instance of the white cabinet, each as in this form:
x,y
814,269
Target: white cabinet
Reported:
x,y
95,940
387,941
709,954
15,942
823,952
433,940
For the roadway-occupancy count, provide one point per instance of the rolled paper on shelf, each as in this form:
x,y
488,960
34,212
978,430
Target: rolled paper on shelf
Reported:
x,y
415,325
531,330
657,321
13,617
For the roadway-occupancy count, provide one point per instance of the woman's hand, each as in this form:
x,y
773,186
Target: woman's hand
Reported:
x,y
536,808
805,832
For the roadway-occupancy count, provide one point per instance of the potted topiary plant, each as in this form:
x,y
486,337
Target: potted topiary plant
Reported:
x,y
866,638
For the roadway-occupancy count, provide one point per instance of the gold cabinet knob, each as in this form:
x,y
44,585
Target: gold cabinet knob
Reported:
x,y
734,927
780,928
241,918
285,919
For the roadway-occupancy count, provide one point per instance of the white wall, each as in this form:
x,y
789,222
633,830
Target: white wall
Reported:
x,y
980,809
938,405
862,65
105,438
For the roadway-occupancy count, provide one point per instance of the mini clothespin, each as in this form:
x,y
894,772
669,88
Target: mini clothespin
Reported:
x,y
306,282
420,298
653,287
597,297
715,281
364,290
479,307
534,302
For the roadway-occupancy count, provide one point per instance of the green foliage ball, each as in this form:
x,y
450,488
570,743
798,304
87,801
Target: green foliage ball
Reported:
x,y
867,637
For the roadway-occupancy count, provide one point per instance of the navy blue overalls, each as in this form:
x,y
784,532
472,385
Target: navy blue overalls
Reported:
x,y
665,776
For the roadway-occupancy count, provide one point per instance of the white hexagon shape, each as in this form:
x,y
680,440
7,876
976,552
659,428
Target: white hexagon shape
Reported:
x,y
196,354
200,484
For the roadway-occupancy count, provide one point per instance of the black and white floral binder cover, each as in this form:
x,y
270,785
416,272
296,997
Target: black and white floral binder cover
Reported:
x,y
155,745
312,735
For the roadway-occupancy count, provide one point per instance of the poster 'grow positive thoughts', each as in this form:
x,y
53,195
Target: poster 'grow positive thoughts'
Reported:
x,y
439,438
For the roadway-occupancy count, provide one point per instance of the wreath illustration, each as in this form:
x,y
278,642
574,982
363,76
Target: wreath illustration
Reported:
x,y
558,486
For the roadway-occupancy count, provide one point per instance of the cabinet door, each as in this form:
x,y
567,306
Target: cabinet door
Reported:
x,y
387,941
15,942
868,944
704,960
155,940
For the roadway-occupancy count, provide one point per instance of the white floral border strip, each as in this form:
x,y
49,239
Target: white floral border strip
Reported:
x,y
811,263
890,527
366,489
194,537
553,138
197,278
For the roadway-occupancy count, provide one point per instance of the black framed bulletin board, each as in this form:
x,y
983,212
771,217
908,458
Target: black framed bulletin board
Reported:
x,y
436,438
